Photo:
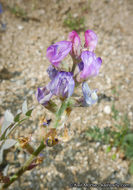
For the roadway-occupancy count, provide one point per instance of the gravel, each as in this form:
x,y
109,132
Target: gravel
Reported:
x,y
23,53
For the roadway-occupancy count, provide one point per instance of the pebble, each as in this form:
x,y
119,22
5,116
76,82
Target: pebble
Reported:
x,y
20,27
78,144
20,82
130,114
107,109
108,80
97,144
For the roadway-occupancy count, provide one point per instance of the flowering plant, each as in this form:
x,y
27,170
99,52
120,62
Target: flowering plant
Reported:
x,y
62,84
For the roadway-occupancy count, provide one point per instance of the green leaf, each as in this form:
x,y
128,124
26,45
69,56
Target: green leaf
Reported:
x,y
17,117
115,112
128,139
129,151
62,108
24,107
65,104
108,149
28,113
13,177
113,156
131,168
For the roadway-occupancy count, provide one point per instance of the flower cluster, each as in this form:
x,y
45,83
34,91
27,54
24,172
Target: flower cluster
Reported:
x,y
62,83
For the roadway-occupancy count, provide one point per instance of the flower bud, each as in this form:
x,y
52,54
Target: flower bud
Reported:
x,y
76,44
90,40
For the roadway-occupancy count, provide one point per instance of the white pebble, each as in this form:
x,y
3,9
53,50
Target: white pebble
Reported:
x,y
107,109
20,27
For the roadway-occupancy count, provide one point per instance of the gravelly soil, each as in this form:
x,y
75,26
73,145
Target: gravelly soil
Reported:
x,y
22,52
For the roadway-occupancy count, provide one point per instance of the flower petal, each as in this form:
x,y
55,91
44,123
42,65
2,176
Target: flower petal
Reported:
x,y
76,43
43,95
90,65
90,96
63,84
52,72
90,40
58,51
81,66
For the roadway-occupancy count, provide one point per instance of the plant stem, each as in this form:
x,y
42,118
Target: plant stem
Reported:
x,y
12,126
61,110
73,67
25,166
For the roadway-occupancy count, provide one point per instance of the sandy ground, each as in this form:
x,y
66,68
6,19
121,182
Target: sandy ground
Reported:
x,y
22,52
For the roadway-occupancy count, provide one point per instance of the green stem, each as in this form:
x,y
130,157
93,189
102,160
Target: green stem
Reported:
x,y
61,110
74,64
73,67
25,166
12,126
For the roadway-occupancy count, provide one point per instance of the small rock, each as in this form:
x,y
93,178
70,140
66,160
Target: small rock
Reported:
x,y
97,144
107,109
20,27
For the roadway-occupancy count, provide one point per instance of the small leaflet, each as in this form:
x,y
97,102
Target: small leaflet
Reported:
x,y
8,120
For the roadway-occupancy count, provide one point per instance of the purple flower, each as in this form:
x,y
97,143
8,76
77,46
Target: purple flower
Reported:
x,y
90,40
43,95
63,84
48,121
90,65
58,51
52,72
90,96
76,43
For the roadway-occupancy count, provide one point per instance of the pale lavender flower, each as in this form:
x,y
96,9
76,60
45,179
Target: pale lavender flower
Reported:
x,y
43,95
90,96
63,84
89,66
58,51
90,40
52,72
76,43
